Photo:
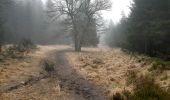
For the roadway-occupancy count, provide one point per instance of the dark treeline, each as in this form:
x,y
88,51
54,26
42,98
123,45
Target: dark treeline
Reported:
x,y
4,5
22,19
146,30
26,19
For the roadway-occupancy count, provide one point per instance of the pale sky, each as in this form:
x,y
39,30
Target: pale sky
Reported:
x,y
117,7
44,1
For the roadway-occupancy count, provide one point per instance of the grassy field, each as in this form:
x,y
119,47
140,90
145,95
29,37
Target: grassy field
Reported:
x,y
77,76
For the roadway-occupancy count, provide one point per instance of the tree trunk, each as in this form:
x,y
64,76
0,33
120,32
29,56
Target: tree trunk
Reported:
x,y
77,40
77,44
0,48
146,47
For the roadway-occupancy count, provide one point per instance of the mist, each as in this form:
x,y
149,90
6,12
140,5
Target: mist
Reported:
x,y
32,19
29,19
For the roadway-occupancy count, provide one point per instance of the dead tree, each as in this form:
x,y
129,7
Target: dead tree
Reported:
x,y
81,14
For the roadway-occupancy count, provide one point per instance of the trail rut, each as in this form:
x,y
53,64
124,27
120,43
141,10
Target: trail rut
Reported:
x,y
73,82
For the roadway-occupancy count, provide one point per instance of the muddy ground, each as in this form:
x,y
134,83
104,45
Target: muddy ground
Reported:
x,y
93,74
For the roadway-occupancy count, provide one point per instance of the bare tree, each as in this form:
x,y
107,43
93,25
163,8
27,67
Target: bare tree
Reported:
x,y
81,14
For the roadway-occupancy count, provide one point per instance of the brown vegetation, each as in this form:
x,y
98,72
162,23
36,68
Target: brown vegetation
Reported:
x,y
109,68
118,74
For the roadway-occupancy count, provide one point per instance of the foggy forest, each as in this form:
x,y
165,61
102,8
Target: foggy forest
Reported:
x,y
84,49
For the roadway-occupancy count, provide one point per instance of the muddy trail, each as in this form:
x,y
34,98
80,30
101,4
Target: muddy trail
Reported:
x,y
71,81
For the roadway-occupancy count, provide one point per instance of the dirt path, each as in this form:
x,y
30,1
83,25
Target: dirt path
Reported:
x,y
75,83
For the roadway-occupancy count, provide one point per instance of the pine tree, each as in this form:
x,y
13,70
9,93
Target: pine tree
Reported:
x,y
148,30
117,33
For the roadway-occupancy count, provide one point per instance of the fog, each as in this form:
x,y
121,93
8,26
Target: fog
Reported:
x,y
29,19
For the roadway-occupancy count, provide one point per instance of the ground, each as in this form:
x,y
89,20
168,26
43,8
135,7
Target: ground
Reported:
x,y
93,74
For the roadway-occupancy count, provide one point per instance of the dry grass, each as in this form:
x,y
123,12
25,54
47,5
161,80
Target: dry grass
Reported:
x,y
19,71
108,68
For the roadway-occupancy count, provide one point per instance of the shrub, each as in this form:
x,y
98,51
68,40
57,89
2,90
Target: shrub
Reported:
x,y
146,89
25,45
12,52
17,50
149,93
47,65
160,65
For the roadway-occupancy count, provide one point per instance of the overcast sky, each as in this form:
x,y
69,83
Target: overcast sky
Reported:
x,y
117,7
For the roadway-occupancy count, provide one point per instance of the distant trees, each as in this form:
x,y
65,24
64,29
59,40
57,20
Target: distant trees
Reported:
x,y
82,15
116,34
4,4
90,37
147,27
26,19
149,24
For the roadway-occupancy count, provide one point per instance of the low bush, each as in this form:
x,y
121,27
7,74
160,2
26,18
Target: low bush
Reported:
x,y
11,52
25,45
17,50
145,88
47,65
158,66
